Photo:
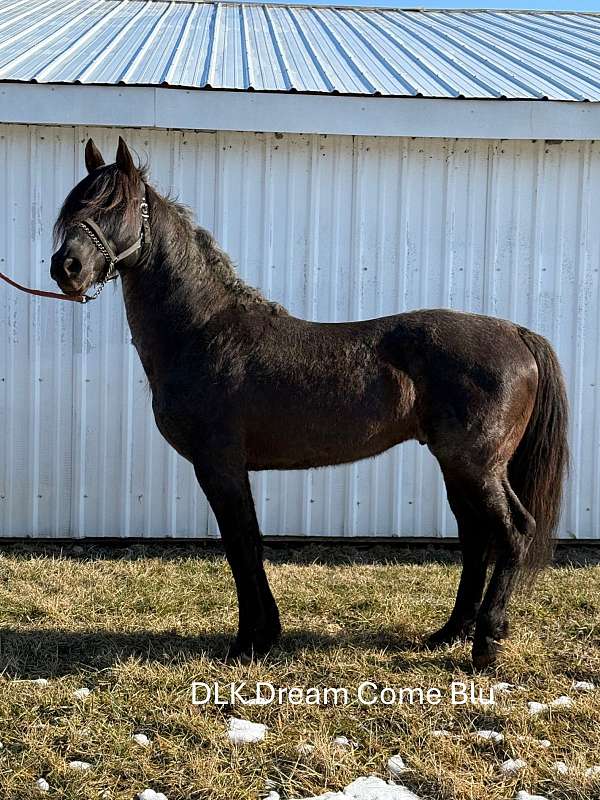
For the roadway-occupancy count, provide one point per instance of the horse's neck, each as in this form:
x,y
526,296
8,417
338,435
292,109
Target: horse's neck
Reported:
x,y
169,298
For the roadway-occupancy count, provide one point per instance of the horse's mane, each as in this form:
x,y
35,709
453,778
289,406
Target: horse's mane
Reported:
x,y
221,265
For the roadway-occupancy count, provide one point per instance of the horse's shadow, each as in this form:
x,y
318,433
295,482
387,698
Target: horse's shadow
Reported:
x,y
51,653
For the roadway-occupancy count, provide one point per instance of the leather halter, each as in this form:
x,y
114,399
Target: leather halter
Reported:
x,y
102,244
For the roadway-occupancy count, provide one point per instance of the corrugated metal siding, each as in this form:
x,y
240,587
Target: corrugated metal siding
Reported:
x,y
473,54
333,227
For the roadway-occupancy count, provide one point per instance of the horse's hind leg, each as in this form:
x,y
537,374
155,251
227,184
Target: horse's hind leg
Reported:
x,y
226,485
475,544
489,510
513,530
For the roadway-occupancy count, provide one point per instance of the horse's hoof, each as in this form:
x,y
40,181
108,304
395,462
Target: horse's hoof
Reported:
x,y
485,653
448,635
239,654
246,649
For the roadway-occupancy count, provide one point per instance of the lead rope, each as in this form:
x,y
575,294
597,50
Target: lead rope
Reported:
x,y
74,298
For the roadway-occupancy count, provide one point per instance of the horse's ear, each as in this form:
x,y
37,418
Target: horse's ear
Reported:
x,y
93,156
124,159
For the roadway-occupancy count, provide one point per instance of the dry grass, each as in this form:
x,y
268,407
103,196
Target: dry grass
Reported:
x,y
139,627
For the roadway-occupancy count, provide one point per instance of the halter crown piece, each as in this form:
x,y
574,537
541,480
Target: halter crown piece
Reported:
x,y
103,245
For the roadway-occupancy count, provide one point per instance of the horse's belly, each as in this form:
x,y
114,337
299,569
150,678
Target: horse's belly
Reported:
x,y
293,447
290,429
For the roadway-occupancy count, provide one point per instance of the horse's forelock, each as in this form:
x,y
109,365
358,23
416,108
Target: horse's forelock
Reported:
x,y
105,193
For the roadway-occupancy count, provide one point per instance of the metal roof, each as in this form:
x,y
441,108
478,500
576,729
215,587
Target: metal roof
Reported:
x,y
287,48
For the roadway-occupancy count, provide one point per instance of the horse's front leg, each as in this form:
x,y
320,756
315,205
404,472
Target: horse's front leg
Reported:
x,y
226,485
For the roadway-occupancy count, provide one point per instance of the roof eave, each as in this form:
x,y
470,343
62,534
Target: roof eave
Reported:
x,y
188,109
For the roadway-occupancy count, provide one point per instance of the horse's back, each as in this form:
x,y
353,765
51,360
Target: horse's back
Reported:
x,y
449,346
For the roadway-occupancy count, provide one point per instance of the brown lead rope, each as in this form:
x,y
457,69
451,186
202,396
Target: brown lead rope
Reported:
x,y
74,298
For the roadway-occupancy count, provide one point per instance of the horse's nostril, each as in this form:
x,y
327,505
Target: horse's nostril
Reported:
x,y
72,266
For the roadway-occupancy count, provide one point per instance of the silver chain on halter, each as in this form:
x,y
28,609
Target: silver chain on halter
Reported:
x,y
111,273
98,239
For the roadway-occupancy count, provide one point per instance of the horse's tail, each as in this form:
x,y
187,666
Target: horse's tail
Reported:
x,y
539,466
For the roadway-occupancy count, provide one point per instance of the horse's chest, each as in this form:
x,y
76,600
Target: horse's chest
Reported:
x,y
174,425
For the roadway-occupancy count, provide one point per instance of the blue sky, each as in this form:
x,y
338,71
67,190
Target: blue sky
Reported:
x,y
546,5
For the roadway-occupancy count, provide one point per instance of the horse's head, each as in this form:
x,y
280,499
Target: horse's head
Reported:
x,y
100,222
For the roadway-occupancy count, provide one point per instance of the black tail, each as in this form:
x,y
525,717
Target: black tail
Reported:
x,y
539,466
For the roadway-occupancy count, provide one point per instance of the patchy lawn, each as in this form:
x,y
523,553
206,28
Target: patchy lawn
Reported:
x,y
137,626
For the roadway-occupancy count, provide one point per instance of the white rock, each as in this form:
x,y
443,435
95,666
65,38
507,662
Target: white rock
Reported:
x,y
502,686
544,743
373,788
562,702
150,794
370,788
592,771
273,796
523,795
441,733
344,743
41,682
560,768
512,765
536,708
141,739
583,686
491,736
82,693
42,785
80,766
242,731
396,766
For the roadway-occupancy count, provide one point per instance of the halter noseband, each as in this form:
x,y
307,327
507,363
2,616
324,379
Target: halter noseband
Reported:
x,y
103,245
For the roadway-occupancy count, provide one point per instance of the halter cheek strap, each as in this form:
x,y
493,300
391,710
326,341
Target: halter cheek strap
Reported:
x,y
103,245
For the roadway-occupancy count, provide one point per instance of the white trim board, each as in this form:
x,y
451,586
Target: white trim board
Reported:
x,y
189,109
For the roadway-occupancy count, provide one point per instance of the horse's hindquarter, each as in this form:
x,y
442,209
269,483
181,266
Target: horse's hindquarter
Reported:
x,y
475,381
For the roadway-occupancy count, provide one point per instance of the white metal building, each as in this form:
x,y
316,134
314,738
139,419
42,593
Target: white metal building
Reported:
x,y
354,163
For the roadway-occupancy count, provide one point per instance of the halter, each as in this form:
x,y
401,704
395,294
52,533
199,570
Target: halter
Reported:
x,y
103,245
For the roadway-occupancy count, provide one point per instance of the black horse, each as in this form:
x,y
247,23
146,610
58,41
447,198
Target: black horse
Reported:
x,y
238,384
